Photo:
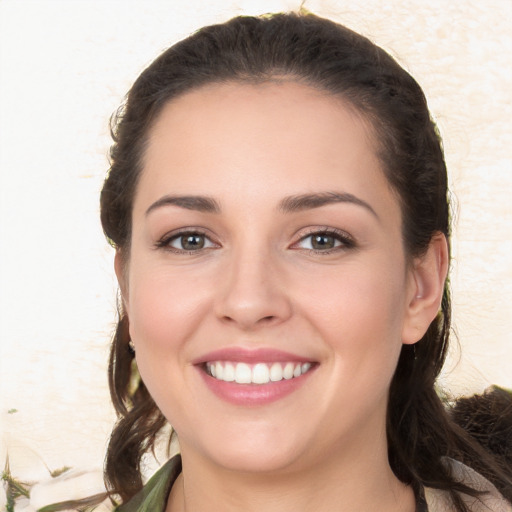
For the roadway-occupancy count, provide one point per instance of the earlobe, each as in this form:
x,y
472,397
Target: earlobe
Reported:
x,y
428,276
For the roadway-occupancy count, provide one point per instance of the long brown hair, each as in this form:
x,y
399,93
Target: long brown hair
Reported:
x,y
332,58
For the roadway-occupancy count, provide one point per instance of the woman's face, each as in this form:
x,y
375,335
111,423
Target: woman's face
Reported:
x,y
267,249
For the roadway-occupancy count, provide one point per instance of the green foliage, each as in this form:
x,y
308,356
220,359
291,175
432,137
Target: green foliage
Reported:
x,y
57,472
14,488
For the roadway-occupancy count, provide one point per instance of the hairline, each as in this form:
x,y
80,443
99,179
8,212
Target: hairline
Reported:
x,y
370,122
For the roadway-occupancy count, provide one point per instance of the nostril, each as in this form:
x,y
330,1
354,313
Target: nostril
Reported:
x,y
263,320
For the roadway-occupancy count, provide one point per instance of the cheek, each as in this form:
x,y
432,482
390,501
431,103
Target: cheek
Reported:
x,y
359,313
164,309
359,295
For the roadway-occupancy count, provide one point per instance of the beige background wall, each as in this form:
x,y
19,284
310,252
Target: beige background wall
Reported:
x,y
65,66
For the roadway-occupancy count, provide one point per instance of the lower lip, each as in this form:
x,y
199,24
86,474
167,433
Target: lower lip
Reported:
x,y
253,394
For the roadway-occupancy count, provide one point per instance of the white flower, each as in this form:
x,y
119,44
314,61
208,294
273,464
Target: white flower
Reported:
x,y
23,505
105,506
71,485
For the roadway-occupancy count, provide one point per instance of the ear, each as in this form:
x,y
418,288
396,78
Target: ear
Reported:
x,y
121,271
426,285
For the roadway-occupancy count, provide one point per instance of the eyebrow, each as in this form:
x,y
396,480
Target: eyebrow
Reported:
x,y
289,204
199,203
309,201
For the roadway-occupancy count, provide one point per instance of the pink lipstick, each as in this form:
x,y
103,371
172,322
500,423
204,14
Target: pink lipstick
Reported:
x,y
253,377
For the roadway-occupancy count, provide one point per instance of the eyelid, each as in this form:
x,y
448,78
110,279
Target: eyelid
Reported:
x,y
164,241
347,241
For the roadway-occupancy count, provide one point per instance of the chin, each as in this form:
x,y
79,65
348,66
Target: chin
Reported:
x,y
257,461
253,452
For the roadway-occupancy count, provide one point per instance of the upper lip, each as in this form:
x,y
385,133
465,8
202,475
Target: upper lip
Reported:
x,y
244,355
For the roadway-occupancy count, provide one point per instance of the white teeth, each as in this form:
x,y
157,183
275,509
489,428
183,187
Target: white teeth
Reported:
x,y
219,371
276,372
259,373
243,374
229,373
288,371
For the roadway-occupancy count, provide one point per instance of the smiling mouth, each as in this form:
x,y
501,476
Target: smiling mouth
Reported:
x,y
259,373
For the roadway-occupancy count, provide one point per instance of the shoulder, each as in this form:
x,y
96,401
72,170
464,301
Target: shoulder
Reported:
x,y
492,501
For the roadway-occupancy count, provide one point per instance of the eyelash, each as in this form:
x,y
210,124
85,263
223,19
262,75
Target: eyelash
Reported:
x,y
345,241
166,240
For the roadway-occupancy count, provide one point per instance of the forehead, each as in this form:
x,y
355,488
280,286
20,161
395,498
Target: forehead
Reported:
x,y
275,103
278,137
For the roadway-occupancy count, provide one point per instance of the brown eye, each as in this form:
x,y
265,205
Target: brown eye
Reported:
x,y
192,242
325,241
322,242
186,242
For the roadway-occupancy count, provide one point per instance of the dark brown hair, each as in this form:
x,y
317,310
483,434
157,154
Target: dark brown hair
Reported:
x,y
487,417
330,57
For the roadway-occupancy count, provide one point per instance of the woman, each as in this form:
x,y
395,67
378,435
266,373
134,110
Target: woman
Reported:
x,y
278,204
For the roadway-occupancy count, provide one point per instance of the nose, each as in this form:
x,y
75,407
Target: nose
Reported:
x,y
252,292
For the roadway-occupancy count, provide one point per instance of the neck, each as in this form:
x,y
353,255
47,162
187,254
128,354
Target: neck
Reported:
x,y
361,480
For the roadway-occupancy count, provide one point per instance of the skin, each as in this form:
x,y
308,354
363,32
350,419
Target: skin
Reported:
x,y
258,283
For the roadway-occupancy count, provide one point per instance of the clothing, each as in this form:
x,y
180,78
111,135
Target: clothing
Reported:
x,y
492,501
153,496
